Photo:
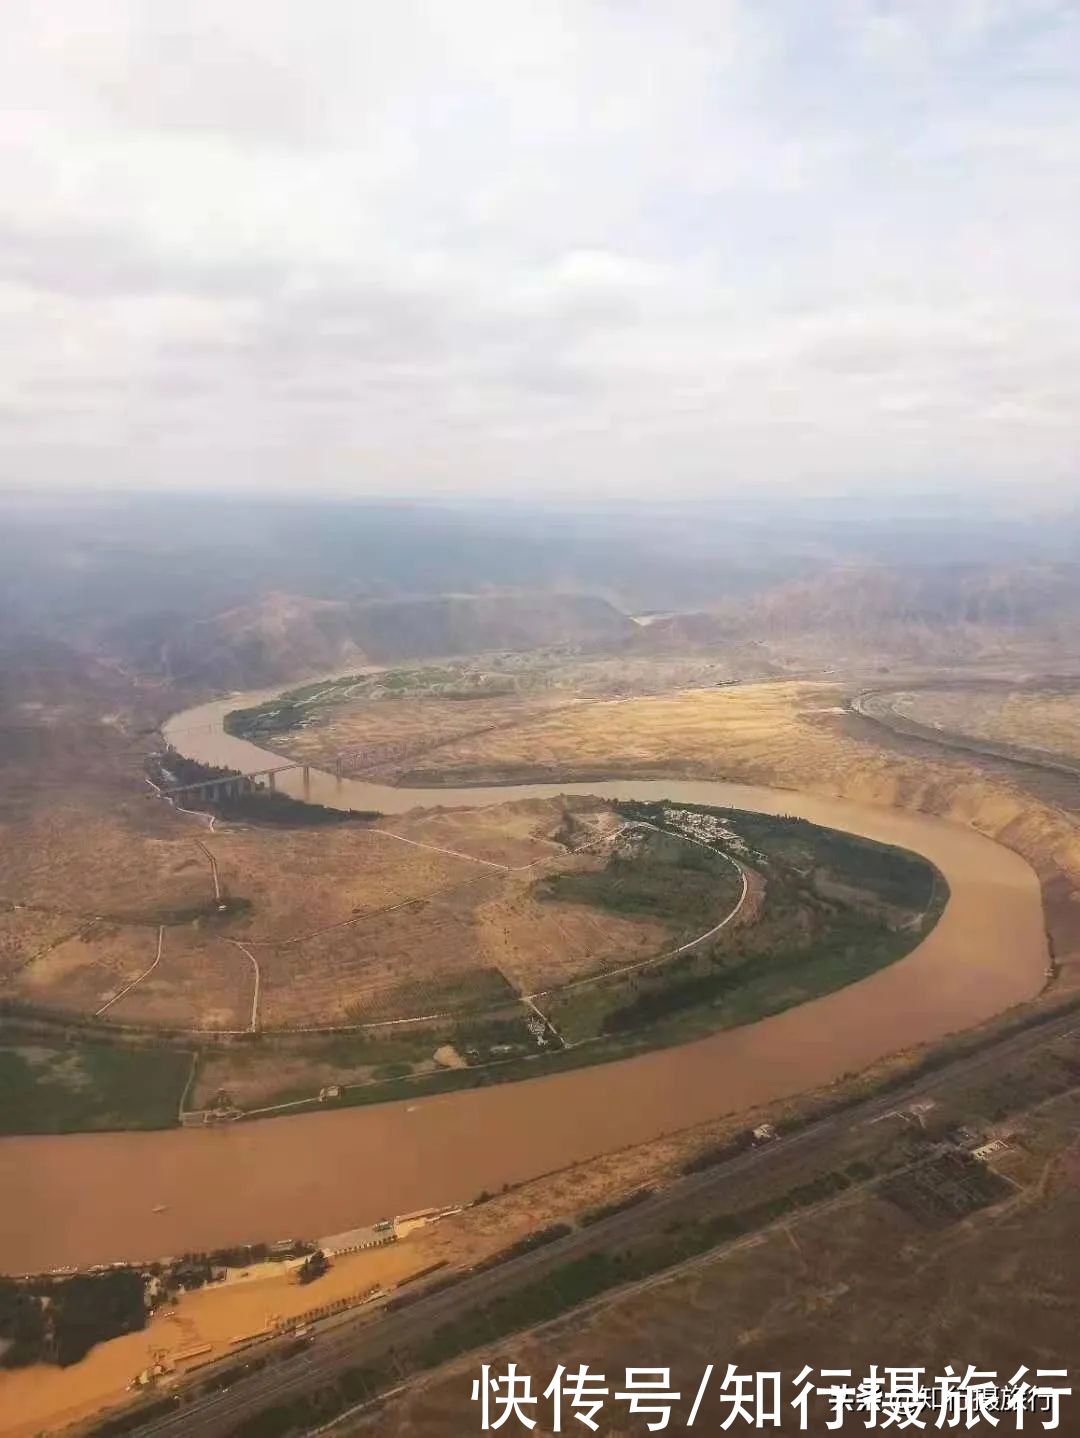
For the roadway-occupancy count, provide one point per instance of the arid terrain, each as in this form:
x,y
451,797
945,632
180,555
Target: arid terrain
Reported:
x,y
1026,720
152,952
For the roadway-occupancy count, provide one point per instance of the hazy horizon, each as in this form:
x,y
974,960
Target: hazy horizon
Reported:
x,y
584,250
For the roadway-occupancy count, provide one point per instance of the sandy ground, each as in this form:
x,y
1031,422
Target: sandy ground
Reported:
x,y
43,1398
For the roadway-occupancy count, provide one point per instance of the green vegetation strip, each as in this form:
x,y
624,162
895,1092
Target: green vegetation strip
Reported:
x,y
49,1321
88,1086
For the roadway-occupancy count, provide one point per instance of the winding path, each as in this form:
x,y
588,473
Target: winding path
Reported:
x,y
686,948
258,982
144,975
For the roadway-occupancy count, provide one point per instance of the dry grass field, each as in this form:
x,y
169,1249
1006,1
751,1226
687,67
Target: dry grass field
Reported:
x,y
26,934
384,732
759,733
93,859
201,982
302,882
359,733
1040,720
514,835
88,969
349,924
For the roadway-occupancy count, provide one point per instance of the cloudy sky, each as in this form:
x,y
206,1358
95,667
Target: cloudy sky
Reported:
x,y
620,247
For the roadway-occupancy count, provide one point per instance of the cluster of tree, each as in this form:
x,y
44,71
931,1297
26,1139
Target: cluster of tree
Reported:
x,y
279,716
265,806
652,1005
539,1238
313,1267
172,769
194,1270
44,1320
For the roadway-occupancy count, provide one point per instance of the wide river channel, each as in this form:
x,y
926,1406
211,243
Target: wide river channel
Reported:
x,y
89,1198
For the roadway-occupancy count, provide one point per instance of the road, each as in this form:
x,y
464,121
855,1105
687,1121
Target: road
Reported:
x,y
258,981
144,975
376,1331
213,864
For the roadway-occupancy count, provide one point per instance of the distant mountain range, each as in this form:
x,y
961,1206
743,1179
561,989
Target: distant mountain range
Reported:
x,y
865,613
280,637
217,594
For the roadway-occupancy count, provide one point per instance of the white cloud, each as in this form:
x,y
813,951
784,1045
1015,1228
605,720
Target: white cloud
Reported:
x,y
498,244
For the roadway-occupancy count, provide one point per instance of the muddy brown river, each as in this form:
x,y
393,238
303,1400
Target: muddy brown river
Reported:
x,y
90,1198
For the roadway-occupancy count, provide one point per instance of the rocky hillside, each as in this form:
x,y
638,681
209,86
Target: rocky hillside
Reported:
x,y
283,637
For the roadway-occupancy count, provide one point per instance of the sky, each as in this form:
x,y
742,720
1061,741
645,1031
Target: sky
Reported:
x,y
603,248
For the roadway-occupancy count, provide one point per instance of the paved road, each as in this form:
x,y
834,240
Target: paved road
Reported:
x,y
376,1331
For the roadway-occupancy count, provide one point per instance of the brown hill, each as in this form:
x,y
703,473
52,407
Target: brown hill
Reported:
x,y
274,638
281,637
856,597
470,623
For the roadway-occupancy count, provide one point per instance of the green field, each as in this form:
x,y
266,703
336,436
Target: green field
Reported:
x,y
685,886
836,908
67,1088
